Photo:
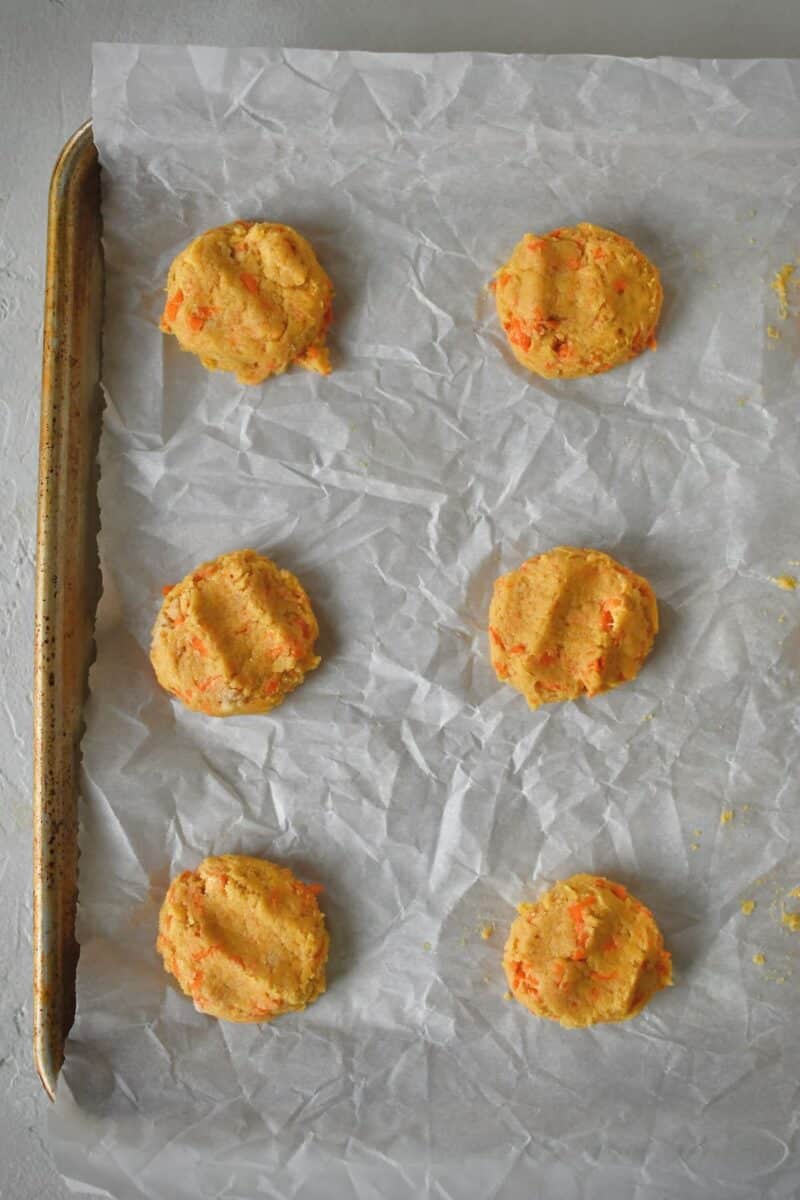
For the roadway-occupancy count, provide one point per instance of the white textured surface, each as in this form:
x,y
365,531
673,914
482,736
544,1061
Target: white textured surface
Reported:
x,y
44,87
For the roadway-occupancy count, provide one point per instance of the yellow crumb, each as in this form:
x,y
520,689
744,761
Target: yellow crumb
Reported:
x,y
787,582
697,832
782,619
759,960
748,906
507,996
772,332
779,285
727,816
487,931
426,945
649,717
694,846
791,921
795,891
742,400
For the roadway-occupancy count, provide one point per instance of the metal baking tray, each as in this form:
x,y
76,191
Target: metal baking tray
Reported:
x,y
67,580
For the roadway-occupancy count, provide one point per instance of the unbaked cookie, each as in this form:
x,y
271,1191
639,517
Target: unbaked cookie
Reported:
x,y
244,938
577,301
570,623
235,636
586,951
250,298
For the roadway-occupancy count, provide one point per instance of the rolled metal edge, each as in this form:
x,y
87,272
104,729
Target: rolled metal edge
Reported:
x,y
67,580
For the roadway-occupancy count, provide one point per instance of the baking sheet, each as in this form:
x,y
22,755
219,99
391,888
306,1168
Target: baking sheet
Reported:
x,y
425,797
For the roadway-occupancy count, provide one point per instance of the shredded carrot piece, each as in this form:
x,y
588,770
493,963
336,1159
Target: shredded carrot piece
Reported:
x,y
619,285
517,334
199,955
495,636
172,306
197,980
651,343
611,944
619,891
200,646
492,285
576,912
573,263
167,588
565,350
548,658
198,318
535,244
316,889
606,617
598,253
520,648
272,687
502,671
250,282
524,979
603,975
599,664
503,278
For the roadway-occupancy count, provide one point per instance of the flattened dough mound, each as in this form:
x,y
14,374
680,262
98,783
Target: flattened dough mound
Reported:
x,y
244,939
577,301
586,951
235,636
570,623
250,298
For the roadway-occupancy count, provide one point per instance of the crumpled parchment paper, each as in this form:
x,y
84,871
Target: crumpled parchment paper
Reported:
x,y
425,797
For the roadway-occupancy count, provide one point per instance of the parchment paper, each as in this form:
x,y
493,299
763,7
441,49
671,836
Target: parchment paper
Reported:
x,y
425,797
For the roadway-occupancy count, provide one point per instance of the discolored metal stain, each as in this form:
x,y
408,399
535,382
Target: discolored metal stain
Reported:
x,y
67,579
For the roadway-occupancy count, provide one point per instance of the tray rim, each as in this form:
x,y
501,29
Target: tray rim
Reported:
x,y
63,646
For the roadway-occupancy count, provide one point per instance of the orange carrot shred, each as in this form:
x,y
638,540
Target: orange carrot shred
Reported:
x,y
198,318
172,306
316,889
167,588
200,646
619,285
250,282
495,636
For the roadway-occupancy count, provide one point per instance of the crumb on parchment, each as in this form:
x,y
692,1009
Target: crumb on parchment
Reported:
x,y
759,960
748,906
487,930
787,582
727,816
779,285
792,921
773,332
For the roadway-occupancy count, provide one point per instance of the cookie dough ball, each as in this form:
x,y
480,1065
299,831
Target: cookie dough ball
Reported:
x,y
243,938
250,298
577,301
586,951
570,623
235,636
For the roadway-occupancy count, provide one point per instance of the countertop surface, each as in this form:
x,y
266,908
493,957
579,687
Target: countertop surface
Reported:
x,y
44,96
